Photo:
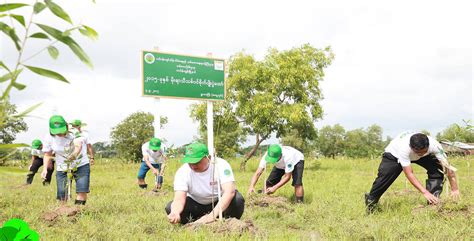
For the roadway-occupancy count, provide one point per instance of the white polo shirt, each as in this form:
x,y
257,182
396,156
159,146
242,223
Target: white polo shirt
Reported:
x,y
290,157
62,146
199,185
400,148
155,157
37,152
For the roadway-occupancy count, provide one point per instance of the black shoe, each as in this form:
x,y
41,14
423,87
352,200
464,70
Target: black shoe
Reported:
x,y
370,204
45,183
143,186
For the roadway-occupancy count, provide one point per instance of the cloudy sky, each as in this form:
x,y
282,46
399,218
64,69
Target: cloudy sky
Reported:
x,y
404,65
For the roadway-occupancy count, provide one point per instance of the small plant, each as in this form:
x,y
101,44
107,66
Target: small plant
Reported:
x,y
72,154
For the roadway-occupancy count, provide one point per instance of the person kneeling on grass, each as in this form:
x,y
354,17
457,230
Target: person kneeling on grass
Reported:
x,y
36,162
71,154
154,159
407,148
288,162
196,189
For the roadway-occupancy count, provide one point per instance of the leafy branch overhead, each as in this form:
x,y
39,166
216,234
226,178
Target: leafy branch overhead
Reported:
x,y
19,27
40,31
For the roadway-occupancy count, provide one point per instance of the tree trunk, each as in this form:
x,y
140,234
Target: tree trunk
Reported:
x,y
252,152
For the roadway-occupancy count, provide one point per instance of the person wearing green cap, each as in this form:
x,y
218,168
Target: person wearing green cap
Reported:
x,y
36,162
288,162
153,158
70,154
196,190
77,125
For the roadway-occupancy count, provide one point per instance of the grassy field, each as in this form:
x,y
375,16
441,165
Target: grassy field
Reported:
x,y
333,209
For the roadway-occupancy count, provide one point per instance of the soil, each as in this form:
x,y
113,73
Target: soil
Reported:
x,y
448,209
269,201
231,225
68,211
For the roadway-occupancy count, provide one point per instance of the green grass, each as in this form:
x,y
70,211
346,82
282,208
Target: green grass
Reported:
x,y
333,209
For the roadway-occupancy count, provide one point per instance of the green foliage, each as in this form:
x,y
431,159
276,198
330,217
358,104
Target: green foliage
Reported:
x,y
426,132
334,141
104,150
294,139
130,134
10,125
364,143
228,132
456,132
331,140
19,35
279,93
17,229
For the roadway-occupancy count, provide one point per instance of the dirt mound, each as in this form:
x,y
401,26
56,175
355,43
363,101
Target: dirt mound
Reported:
x,y
448,208
231,225
68,211
269,201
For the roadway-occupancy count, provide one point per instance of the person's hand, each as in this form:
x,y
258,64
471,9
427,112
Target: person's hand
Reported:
x,y
251,191
174,218
431,198
208,218
270,190
92,161
44,173
455,195
155,171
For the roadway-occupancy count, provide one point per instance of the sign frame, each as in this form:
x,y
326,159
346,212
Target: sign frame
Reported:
x,y
142,61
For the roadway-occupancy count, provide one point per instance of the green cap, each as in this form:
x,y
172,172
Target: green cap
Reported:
x,y
154,144
36,144
57,125
273,153
76,123
194,153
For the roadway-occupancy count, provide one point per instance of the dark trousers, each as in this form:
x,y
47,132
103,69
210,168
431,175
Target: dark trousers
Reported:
x,y
37,163
276,174
193,210
390,169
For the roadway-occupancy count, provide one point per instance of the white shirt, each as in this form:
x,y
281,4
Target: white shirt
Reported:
x,y
37,152
289,158
154,157
400,148
62,147
199,185
84,134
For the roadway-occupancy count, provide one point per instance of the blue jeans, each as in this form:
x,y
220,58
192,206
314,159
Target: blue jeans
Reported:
x,y
81,176
144,169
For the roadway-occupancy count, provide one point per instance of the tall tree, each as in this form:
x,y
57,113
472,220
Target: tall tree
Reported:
x,y
279,93
104,150
130,134
331,140
228,132
364,143
294,138
458,132
12,125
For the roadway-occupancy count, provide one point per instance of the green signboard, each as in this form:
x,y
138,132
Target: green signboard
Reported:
x,y
179,76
